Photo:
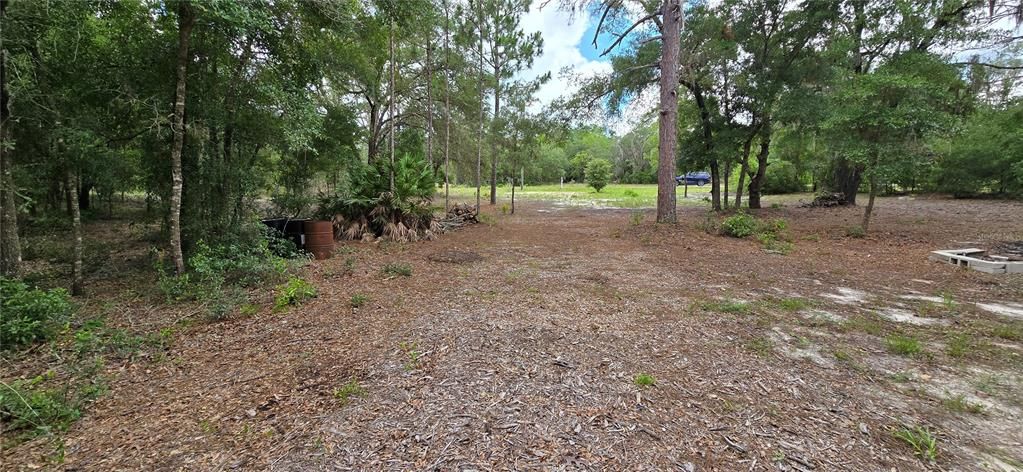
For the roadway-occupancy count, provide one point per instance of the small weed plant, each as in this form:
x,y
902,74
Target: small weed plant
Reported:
x,y
348,391
959,404
397,269
294,292
903,345
923,442
644,380
358,300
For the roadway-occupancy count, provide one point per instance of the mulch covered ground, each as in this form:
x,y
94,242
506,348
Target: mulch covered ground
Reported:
x,y
515,344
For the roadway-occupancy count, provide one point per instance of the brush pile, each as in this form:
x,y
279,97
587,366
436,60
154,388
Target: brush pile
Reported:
x,y
458,216
827,200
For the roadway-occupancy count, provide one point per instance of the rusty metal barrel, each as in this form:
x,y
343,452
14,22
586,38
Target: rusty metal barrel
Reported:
x,y
319,238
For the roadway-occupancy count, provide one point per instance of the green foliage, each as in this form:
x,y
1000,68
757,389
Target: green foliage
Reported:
x,y
924,443
28,315
33,410
782,177
644,380
293,292
856,232
396,269
739,225
986,157
370,209
598,173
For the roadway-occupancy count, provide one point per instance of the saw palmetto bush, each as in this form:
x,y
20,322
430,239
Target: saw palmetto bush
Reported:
x,y
370,209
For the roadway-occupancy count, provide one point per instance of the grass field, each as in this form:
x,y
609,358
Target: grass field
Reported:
x,y
612,196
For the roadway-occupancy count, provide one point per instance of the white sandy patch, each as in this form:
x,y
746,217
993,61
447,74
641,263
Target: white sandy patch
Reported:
x,y
847,296
1013,310
823,315
899,315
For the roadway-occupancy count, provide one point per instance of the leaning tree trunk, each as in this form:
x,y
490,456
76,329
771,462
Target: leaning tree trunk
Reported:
x,y
756,183
186,20
870,204
671,13
10,246
77,285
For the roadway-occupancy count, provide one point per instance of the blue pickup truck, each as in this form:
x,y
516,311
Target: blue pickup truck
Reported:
x,y
693,178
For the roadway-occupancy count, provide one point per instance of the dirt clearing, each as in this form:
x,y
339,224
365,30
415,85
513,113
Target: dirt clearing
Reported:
x,y
577,339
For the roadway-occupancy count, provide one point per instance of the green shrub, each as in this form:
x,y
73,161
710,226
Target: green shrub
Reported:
x,y
293,292
739,225
903,345
370,208
598,173
30,315
25,407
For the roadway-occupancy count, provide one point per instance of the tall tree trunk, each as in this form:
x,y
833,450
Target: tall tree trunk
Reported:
x,y
847,178
870,204
10,246
447,106
756,183
479,140
429,100
373,133
728,175
671,13
77,285
743,169
715,184
186,20
708,143
494,131
390,105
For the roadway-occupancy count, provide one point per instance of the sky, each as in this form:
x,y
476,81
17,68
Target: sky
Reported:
x,y
567,46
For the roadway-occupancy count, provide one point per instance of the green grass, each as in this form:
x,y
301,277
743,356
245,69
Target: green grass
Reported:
x,y
398,269
793,304
614,195
924,443
348,390
644,380
359,300
903,345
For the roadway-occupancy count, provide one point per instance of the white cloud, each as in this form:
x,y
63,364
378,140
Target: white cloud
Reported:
x,y
562,33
